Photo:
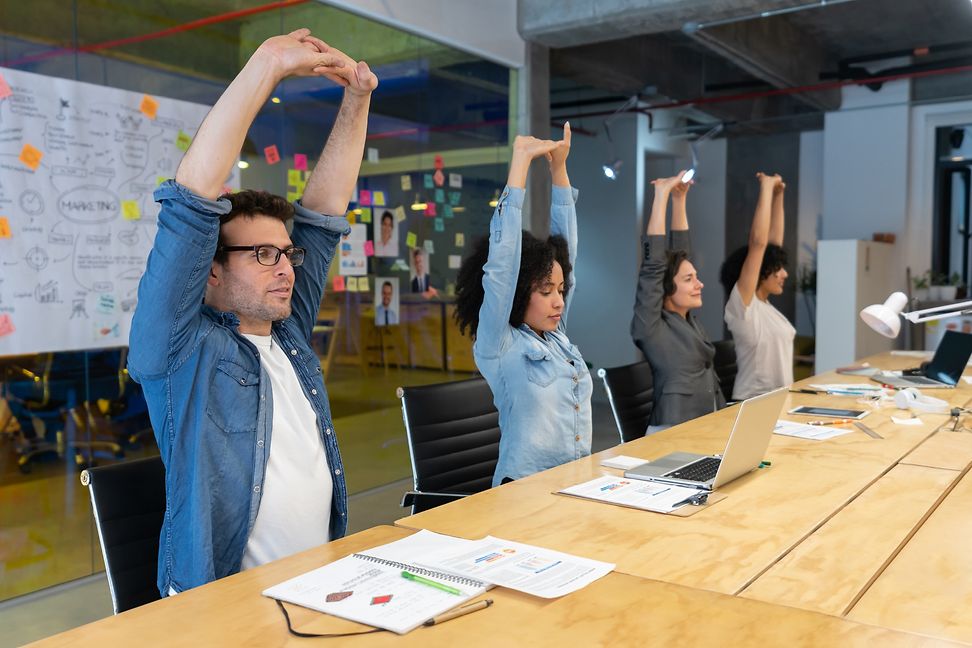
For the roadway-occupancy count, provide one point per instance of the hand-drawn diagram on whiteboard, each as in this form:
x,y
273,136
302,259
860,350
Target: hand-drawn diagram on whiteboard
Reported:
x,y
78,165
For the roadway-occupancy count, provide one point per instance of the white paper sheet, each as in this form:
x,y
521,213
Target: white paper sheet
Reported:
x,y
813,432
637,493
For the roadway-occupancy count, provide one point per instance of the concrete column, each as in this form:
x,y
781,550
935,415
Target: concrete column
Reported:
x,y
533,118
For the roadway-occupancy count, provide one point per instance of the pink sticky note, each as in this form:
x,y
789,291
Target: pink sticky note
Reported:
x,y
272,154
439,178
364,197
438,162
6,326
300,161
430,209
339,283
5,90
369,248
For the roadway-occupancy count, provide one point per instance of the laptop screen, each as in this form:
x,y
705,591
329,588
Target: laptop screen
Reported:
x,y
952,354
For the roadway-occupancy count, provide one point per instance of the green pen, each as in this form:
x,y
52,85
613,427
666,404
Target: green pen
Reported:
x,y
431,583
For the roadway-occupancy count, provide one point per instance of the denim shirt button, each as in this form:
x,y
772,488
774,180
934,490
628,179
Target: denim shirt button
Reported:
x,y
327,430
314,391
242,381
256,489
337,471
260,443
576,407
577,437
293,352
574,378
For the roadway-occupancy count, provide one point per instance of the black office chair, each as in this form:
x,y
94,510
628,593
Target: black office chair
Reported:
x,y
128,501
725,366
453,439
631,392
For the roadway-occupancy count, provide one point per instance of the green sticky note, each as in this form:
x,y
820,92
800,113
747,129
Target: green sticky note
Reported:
x,y
439,195
365,216
411,240
183,141
292,196
447,211
294,177
439,225
454,197
428,181
159,180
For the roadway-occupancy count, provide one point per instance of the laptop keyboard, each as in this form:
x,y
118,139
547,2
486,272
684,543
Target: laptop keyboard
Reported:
x,y
701,471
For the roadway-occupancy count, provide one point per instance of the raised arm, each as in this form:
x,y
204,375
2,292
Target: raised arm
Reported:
x,y
563,214
505,242
758,238
680,239
217,144
777,220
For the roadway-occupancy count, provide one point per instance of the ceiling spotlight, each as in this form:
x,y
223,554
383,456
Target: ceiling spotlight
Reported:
x,y
243,164
611,171
275,99
418,205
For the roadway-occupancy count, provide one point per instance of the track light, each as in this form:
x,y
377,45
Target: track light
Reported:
x,y
418,205
612,170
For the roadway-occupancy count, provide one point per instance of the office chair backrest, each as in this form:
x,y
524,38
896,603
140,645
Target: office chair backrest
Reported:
x,y
128,501
453,435
725,366
631,393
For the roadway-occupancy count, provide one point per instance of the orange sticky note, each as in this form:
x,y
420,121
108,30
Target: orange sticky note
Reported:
x,y
4,228
30,156
149,106
271,154
5,90
339,283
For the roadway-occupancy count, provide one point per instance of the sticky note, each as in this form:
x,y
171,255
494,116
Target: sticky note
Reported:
x,y
454,198
294,177
299,187
183,141
430,209
428,180
6,325
271,154
371,154
130,210
339,283
364,197
439,195
455,261
406,183
369,248
292,196
5,232
378,198
159,180
411,240
447,211
300,161
30,156
455,180
365,215
439,178
352,217
149,106
439,225
399,214
429,246
438,162
460,239
362,284
5,90
352,284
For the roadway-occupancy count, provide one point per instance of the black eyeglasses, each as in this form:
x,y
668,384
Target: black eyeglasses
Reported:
x,y
269,255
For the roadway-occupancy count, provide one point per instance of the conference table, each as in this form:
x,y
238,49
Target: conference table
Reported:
x,y
849,541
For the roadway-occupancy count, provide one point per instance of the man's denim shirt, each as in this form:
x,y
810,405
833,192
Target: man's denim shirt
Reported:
x,y
209,397
541,385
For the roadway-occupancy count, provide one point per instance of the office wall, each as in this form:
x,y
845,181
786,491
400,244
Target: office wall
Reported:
x,y
809,214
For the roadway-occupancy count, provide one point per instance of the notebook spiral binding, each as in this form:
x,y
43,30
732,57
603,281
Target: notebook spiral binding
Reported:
x,y
452,578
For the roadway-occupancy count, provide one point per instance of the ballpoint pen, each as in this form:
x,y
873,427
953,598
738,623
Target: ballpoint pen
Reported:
x,y
695,500
431,583
844,421
459,611
807,391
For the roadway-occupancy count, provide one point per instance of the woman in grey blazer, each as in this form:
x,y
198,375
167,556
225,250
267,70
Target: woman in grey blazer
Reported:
x,y
663,327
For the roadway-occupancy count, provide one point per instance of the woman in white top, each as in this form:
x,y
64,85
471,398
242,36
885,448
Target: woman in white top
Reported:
x,y
763,336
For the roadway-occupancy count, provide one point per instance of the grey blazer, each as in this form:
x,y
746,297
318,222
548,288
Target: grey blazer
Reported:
x,y
679,351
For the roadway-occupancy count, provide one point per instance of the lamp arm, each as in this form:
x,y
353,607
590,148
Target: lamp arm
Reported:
x,y
939,312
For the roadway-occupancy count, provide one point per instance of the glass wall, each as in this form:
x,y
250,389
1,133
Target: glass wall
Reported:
x,y
436,156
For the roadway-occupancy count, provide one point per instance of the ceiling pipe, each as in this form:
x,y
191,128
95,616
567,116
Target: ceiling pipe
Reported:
x,y
692,27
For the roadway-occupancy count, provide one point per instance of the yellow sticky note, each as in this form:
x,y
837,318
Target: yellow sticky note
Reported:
x,y
351,284
399,214
183,141
149,106
352,217
292,196
411,240
460,239
378,198
362,284
159,180
5,232
294,177
130,210
366,214
30,156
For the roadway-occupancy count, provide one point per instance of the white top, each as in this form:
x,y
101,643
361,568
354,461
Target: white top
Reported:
x,y
295,506
764,346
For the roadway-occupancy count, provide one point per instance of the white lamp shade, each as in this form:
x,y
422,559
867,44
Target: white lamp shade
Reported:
x,y
885,318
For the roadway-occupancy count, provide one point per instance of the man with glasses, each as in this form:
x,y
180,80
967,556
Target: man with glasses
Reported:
x,y
220,337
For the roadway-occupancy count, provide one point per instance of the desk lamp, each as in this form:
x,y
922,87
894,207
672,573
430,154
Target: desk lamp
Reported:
x,y
883,318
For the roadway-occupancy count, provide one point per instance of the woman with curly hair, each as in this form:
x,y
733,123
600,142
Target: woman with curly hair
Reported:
x,y
513,293
664,327
763,335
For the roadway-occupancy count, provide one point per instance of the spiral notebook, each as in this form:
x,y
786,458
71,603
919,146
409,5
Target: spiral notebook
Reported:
x,y
369,588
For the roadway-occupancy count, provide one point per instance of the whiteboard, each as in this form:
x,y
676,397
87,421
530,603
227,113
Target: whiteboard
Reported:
x,y
79,227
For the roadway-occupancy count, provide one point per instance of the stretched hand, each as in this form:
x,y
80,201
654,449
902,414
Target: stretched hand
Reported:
x,y
558,157
531,147
671,184
295,55
356,76
774,181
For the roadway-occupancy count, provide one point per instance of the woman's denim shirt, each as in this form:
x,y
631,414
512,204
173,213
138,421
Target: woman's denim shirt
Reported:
x,y
541,385
208,396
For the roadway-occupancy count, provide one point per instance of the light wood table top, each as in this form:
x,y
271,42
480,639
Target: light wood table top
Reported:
x,y
615,610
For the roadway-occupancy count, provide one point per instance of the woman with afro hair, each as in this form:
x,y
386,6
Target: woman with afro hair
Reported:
x,y
512,294
763,335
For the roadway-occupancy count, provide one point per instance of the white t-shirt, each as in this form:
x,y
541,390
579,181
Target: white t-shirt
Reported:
x,y
764,346
295,507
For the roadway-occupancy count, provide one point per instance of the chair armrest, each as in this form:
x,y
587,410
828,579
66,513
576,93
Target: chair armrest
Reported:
x,y
412,497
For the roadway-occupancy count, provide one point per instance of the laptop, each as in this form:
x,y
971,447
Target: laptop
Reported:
x,y
943,372
750,436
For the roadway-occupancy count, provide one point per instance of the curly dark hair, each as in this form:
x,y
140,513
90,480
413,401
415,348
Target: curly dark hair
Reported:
x,y
249,203
536,263
774,258
673,261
